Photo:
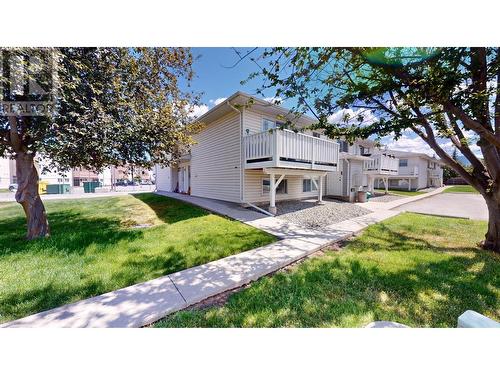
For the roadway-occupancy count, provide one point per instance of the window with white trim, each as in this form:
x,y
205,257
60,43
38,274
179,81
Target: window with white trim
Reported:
x,y
344,146
270,124
308,185
281,189
403,162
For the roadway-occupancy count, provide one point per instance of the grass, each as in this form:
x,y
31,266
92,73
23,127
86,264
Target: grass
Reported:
x,y
401,192
4,191
94,248
461,189
418,270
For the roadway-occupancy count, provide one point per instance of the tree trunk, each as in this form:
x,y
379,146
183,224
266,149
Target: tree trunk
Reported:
x,y
27,195
492,238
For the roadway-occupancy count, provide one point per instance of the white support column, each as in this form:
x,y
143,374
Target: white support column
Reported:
x,y
371,183
320,190
386,184
272,194
409,184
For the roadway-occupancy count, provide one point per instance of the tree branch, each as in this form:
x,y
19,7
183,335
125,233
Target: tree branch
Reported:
x,y
477,127
462,145
15,140
497,97
430,139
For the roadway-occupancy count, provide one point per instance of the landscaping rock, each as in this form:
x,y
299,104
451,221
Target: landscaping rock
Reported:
x,y
311,214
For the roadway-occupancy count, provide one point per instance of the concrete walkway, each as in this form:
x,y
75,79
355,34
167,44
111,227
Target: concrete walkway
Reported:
x,y
144,303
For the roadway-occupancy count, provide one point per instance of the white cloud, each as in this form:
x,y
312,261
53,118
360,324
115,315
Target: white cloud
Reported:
x,y
196,111
348,116
217,101
407,143
414,143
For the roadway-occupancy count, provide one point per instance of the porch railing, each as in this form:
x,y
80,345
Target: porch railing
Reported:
x,y
286,145
382,164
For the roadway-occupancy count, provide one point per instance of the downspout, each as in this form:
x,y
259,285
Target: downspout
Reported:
x,y
242,174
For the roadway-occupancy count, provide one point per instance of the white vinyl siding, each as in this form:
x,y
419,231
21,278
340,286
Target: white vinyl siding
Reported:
x,y
253,187
215,160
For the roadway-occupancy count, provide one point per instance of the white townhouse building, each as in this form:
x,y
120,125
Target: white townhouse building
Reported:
x,y
416,171
241,155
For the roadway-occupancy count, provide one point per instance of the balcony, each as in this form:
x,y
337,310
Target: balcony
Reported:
x,y
381,164
287,149
435,173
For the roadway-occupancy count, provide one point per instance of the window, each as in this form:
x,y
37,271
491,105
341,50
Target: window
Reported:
x,y
316,135
403,162
281,189
344,146
270,124
308,185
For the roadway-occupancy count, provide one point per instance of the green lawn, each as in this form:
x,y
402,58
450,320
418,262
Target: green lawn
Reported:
x,y
401,192
95,249
4,191
461,189
423,271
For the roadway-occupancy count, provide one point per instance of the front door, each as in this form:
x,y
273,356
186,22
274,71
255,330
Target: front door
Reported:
x,y
334,183
187,178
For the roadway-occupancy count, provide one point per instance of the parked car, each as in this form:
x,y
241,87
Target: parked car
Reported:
x,y
13,187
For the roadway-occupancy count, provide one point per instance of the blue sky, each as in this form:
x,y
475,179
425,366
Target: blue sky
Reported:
x,y
217,79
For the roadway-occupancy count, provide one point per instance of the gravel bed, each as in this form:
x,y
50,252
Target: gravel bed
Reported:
x,y
310,214
386,198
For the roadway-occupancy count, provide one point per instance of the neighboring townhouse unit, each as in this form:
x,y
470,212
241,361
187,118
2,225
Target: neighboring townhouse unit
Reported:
x,y
416,171
241,155
361,163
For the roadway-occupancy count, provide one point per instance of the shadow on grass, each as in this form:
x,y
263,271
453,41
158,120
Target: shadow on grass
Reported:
x,y
354,288
91,251
71,233
170,210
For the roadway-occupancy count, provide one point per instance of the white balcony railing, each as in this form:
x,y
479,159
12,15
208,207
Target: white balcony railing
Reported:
x,y
435,173
285,148
409,171
382,164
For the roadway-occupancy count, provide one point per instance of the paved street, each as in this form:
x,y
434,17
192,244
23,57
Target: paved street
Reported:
x,y
471,206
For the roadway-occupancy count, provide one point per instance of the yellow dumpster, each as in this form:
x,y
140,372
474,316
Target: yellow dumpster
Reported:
x,y
42,187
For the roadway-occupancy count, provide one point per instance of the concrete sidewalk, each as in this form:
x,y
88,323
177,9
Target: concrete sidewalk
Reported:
x,y
144,303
